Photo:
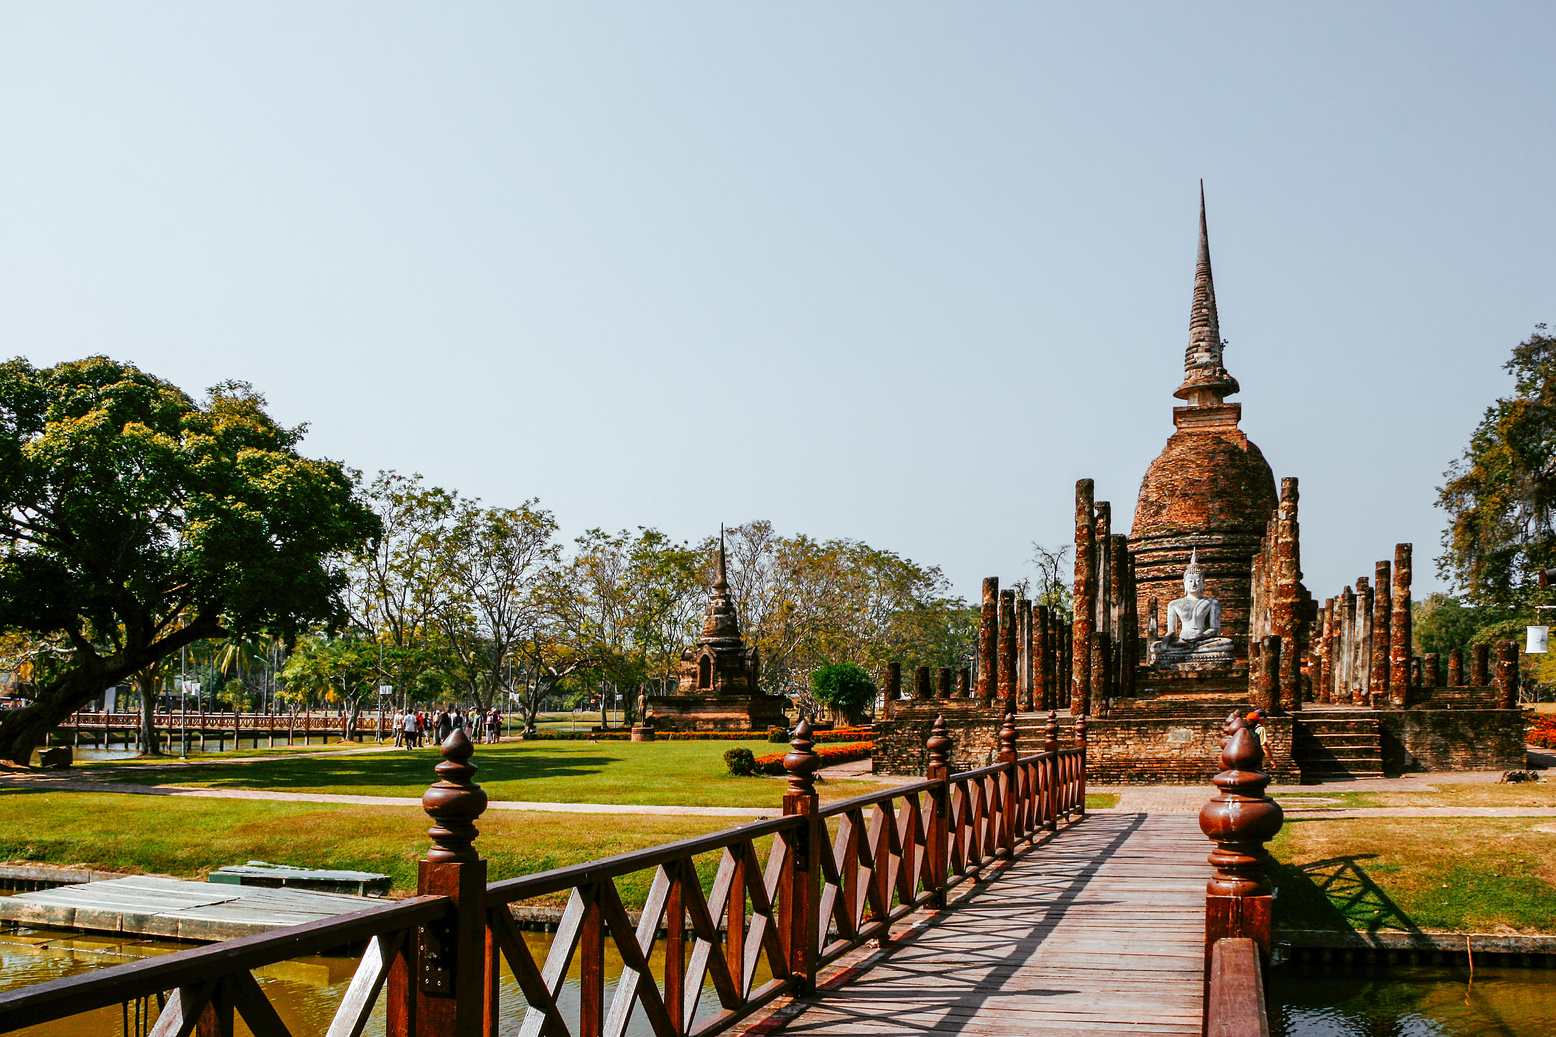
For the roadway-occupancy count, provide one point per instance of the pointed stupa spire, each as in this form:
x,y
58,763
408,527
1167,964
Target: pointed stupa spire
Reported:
x,y
1205,378
722,621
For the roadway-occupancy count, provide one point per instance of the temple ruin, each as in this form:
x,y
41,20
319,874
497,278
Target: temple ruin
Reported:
x,y
717,687
1201,610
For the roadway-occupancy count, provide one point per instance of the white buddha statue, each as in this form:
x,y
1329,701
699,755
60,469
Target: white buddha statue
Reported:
x,y
1193,624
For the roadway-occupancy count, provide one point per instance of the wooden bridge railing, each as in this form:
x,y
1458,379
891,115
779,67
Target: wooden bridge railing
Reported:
x,y
1239,898
833,878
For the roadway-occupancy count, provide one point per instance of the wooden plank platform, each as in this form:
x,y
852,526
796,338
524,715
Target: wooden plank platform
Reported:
x,y
1099,931
149,905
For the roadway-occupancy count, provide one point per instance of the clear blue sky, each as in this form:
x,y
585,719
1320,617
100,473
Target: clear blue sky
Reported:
x,y
894,271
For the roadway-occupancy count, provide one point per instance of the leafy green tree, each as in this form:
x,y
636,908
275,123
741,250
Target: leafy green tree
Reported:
x,y
844,687
1501,495
341,668
136,521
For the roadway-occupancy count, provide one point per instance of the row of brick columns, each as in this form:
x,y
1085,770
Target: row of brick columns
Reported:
x,y
1279,608
1023,658
1364,652
1106,624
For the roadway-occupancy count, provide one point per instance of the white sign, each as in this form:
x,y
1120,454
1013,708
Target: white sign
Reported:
x,y
1537,641
386,689
192,687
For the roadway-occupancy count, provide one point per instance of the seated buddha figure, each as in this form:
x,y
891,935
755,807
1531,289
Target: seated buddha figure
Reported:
x,y
1193,624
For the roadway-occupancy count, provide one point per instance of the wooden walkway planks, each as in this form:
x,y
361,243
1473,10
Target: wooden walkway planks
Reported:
x,y
1098,931
152,905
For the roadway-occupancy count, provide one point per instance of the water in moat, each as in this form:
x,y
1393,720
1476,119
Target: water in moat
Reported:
x,y
1412,1001
305,991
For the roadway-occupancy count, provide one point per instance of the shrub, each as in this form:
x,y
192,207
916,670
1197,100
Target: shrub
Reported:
x,y
778,736
1542,730
740,762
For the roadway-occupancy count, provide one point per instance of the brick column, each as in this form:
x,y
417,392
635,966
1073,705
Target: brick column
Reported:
x,y
1024,655
921,685
1399,630
1041,688
1480,666
1083,593
1382,607
1507,674
1007,650
1456,668
988,639
943,684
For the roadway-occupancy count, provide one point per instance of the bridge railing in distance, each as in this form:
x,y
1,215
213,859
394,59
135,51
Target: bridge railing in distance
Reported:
x,y
831,879
1239,819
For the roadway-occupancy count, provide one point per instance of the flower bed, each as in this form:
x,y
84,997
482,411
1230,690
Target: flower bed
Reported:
x,y
842,734
772,763
1542,730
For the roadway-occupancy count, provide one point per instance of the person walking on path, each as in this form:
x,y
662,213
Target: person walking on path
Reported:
x,y
493,726
441,727
398,727
408,723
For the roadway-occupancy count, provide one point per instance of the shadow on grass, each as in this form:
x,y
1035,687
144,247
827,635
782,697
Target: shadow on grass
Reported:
x,y
1335,895
410,771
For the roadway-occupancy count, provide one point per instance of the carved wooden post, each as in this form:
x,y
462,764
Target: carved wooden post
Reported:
x,y
1080,776
1009,786
1507,674
943,683
938,839
1084,593
1480,666
1240,819
799,883
1050,772
1399,630
436,981
988,638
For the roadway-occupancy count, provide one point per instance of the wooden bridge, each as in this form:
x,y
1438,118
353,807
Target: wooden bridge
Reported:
x,y
985,902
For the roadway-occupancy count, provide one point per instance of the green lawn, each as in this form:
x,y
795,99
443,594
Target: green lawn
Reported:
x,y
1459,874
651,773
189,837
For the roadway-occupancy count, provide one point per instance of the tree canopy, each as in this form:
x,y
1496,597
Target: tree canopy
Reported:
x,y
137,521
1501,495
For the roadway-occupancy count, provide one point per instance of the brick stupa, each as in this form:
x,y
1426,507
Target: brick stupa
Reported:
x,y
1210,490
717,688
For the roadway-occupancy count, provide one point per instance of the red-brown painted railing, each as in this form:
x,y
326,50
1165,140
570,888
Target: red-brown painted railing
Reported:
x,y
1239,898
834,877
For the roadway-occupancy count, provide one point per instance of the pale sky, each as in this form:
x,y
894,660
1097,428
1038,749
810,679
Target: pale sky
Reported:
x,y
893,271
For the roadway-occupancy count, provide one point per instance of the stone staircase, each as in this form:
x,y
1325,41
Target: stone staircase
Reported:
x,y
1336,745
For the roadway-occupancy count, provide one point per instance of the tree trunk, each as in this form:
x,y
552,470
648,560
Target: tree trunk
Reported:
x,y
146,683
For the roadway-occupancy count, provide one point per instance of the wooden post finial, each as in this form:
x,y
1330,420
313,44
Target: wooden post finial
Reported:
x,y
1051,733
801,762
454,802
939,744
1008,739
1240,818
1080,731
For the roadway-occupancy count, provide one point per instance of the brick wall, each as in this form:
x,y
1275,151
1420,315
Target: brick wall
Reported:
x,y
899,739
1451,739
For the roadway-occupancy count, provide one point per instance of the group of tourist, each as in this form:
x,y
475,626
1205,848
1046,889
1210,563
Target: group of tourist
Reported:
x,y
413,727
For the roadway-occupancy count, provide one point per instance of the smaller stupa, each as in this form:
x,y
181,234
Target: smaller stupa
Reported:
x,y
717,688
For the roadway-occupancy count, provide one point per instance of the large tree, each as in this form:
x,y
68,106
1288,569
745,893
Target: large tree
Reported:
x,y
137,521
1501,495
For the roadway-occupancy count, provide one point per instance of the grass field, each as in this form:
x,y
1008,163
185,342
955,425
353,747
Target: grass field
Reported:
x,y
655,773
1480,874
189,837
